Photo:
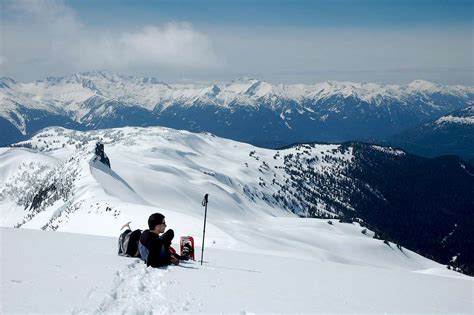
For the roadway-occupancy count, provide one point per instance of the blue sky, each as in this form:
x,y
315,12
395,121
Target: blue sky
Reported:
x,y
279,41
327,13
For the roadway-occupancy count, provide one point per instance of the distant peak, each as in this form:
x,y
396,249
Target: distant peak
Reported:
x,y
246,80
212,90
423,85
259,88
102,73
215,89
148,80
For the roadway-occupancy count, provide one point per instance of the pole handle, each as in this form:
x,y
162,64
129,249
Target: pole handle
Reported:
x,y
205,200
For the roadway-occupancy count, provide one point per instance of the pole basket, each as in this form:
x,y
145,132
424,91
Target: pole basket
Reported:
x,y
187,241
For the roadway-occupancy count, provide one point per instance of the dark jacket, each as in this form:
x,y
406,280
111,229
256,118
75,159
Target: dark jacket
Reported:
x,y
158,247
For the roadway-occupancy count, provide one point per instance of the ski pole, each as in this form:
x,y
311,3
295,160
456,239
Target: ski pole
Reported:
x,y
204,204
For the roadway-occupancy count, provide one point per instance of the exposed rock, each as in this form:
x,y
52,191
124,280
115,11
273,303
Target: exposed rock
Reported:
x,y
100,154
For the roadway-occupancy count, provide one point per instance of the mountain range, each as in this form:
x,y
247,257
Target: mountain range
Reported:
x,y
246,110
53,181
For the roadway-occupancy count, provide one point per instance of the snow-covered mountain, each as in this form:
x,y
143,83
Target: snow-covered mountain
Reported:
x,y
260,255
450,134
247,110
54,182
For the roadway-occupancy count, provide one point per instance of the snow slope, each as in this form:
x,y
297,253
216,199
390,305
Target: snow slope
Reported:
x,y
259,257
54,272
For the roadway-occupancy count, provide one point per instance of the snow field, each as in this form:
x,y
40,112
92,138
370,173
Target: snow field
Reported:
x,y
48,272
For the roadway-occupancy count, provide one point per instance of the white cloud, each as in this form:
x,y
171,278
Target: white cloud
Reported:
x,y
47,37
173,44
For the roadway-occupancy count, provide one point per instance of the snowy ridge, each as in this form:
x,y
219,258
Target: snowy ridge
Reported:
x,y
186,156
455,120
463,116
389,150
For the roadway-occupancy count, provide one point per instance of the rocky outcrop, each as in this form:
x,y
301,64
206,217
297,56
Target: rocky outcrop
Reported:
x,y
100,154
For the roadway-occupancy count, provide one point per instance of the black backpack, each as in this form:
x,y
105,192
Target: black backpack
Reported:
x,y
128,243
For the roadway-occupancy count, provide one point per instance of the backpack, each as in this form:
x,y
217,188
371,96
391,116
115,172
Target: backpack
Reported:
x,y
128,243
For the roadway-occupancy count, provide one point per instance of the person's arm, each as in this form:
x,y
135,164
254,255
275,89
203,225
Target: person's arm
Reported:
x,y
157,258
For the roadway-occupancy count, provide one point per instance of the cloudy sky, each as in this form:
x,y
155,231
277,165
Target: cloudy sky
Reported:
x,y
384,41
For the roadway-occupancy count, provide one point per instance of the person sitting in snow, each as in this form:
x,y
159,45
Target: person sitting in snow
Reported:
x,y
155,249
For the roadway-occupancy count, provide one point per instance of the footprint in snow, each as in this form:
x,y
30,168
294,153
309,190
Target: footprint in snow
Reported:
x,y
136,289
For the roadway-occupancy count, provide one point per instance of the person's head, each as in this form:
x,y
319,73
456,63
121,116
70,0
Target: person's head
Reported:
x,y
156,223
